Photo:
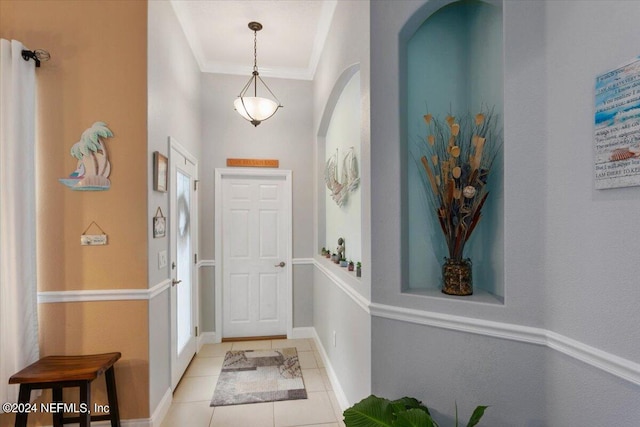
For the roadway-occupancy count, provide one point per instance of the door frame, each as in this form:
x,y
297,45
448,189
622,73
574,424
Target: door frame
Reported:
x,y
220,174
195,227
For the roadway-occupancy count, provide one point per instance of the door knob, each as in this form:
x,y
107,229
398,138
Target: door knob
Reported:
x,y
282,264
175,282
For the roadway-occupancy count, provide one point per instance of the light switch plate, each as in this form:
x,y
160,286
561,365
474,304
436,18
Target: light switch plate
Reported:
x,y
162,259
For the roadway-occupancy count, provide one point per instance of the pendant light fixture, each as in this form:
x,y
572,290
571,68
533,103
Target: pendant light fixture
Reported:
x,y
250,106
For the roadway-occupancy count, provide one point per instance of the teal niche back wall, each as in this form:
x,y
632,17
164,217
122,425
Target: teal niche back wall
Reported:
x,y
453,66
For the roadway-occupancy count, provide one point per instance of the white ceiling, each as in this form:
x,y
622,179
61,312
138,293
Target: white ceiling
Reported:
x,y
289,45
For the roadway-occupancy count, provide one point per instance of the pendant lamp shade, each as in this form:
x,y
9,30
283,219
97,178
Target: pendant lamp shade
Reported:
x,y
255,108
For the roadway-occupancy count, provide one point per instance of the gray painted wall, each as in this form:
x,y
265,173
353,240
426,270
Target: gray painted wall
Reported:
x,y
302,296
333,310
568,267
592,266
287,136
350,22
443,368
173,110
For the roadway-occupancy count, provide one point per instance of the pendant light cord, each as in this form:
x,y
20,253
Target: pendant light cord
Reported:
x,y
255,62
255,50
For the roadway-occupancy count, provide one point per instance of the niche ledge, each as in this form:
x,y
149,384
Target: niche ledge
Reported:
x,y
341,272
480,296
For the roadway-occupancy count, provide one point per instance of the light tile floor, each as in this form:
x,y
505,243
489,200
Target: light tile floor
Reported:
x,y
191,399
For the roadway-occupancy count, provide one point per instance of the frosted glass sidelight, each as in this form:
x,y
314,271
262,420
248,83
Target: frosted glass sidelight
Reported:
x,y
184,260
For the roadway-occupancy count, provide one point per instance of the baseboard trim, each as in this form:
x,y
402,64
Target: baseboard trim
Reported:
x,y
303,332
162,409
139,422
156,419
333,378
255,338
205,338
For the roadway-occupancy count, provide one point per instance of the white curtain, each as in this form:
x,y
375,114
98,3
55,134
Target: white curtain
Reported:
x,y
18,293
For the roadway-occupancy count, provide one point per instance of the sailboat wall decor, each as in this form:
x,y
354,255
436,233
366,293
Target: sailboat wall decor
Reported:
x,y
349,180
93,167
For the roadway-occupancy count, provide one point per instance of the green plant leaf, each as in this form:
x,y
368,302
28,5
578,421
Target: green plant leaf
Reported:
x,y
477,414
413,418
406,403
372,411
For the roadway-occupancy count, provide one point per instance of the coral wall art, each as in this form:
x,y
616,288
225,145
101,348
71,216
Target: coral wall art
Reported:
x,y
349,181
93,167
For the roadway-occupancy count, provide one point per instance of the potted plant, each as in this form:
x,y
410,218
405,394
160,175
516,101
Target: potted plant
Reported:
x,y
358,269
405,412
335,258
323,251
457,157
351,266
343,262
327,254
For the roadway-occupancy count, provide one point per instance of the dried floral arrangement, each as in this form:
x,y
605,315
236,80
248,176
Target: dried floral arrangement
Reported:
x,y
457,157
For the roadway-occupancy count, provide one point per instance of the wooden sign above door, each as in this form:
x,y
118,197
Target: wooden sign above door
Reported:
x,y
253,163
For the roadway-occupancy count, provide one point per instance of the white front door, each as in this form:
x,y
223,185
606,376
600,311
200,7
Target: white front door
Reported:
x,y
183,232
255,243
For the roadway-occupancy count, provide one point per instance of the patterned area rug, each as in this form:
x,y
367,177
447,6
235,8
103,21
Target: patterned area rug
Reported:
x,y
253,376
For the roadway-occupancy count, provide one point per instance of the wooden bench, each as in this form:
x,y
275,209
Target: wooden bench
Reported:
x,y
58,372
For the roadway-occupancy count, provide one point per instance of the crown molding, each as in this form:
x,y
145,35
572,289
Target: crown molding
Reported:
x,y
300,73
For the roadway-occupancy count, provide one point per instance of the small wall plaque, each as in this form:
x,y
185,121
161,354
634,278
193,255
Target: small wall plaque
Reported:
x,y
93,239
253,163
159,224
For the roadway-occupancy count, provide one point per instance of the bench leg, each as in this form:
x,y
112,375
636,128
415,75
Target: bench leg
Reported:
x,y
24,396
85,398
110,379
57,397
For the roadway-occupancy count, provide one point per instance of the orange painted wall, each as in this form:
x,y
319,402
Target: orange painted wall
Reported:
x,y
98,71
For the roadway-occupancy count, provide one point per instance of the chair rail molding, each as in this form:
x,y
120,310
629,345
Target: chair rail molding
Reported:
x,y
48,297
610,363
206,263
360,300
595,357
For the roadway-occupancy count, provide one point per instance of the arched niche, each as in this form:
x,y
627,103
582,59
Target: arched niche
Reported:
x,y
339,132
451,57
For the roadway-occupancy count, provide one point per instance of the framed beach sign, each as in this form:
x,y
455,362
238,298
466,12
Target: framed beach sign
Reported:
x,y
617,127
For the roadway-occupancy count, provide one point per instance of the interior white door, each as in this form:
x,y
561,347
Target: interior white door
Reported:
x,y
183,232
255,217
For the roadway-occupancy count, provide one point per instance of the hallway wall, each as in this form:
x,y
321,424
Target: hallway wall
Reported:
x,y
174,110
286,136
340,300
569,275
